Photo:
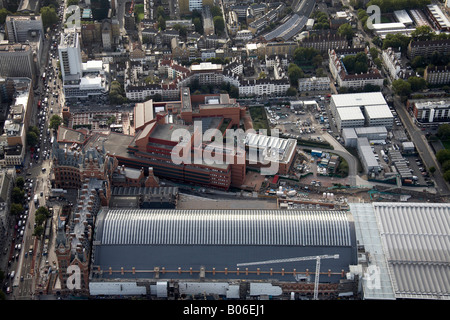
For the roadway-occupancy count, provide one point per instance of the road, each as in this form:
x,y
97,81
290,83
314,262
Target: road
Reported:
x,y
423,148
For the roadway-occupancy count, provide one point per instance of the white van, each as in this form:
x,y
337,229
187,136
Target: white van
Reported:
x,y
13,273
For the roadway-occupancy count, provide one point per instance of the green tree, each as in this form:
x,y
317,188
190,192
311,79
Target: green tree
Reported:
x,y
219,24
417,83
111,120
55,121
443,131
291,92
49,16
198,25
72,2
346,31
432,170
373,52
216,11
234,92
447,176
43,211
16,209
422,33
20,182
17,195
317,60
262,75
32,138
378,62
446,166
396,40
320,72
181,30
401,87
3,14
443,155
38,231
294,73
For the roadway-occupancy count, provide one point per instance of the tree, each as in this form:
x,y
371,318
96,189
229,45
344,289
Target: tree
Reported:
x,y
317,60
443,155
401,87
432,170
262,75
417,83
43,211
422,33
291,92
219,24
55,121
378,62
111,120
294,73
216,11
373,52
17,195
38,231
49,16
443,132
320,72
3,14
181,30
447,176
20,183
396,40
446,166
72,2
16,209
234,92
346,31
32,138
198,25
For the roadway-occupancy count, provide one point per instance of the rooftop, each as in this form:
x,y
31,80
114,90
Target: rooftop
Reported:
x,y
378,111
358,99
351,113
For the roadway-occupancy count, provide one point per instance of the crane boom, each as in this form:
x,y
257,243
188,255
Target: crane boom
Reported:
x,y
336,256
317,258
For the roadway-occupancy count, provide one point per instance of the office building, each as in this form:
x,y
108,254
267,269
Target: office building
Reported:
x,y
80,80
18,28
432,111
17,60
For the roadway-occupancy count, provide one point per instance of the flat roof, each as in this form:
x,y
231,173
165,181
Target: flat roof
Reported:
x,y
358,99
390,26
165,131
403,16
350,113
378,111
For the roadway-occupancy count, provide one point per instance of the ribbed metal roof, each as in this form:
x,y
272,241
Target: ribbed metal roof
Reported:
x,y
225,227
416,241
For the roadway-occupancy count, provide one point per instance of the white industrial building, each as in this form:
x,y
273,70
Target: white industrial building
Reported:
x,y
351,135
367,157
355,100
379,115
403,17
349,118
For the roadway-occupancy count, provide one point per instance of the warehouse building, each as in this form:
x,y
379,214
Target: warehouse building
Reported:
x,y
367,157
355,100
196,250
349,118
379,116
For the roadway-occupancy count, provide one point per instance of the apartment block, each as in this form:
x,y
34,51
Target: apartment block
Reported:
x,y
437,75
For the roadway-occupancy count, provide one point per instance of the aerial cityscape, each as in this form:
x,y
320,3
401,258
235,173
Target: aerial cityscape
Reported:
x,y
238,150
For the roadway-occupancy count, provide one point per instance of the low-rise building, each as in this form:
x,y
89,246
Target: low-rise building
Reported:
x,y
350,117
314,84
431,112
379,116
